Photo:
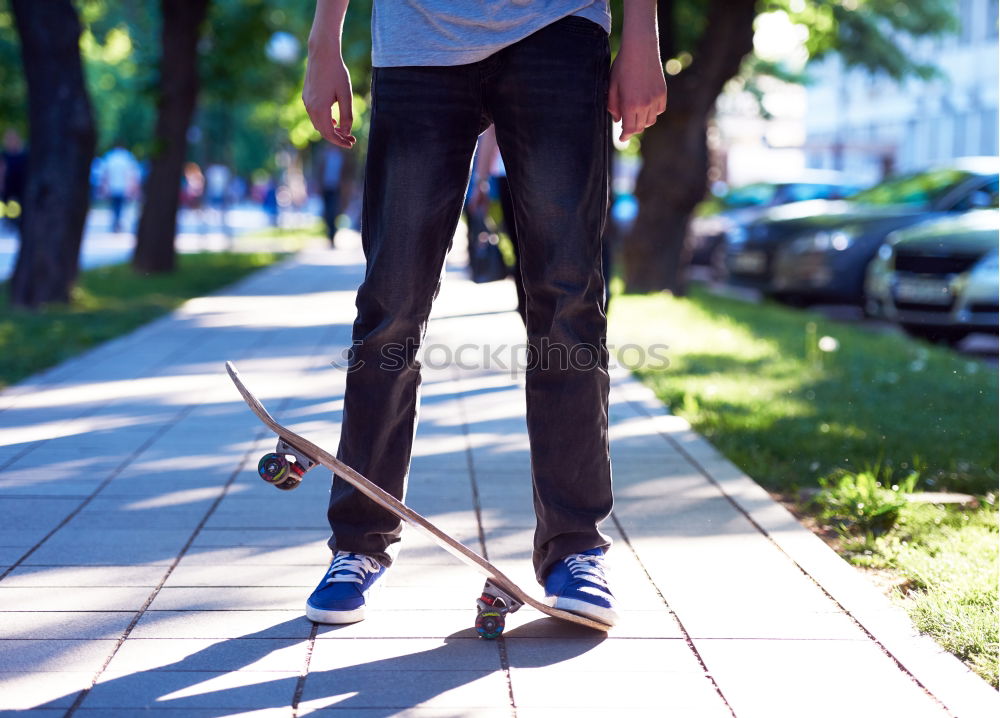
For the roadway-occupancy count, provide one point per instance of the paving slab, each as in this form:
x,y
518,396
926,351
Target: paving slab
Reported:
x,y
247,690
51,655
729,607
26,690
82,598
223,624
201,654
64,624
457,690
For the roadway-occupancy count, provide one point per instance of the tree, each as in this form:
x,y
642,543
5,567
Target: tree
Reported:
x,y
182,22
62,137
710,41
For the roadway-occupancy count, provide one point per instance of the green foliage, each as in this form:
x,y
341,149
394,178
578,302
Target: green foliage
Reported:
x,y
108,302
120,47
874,35
744,377
860,503
945,562
13,98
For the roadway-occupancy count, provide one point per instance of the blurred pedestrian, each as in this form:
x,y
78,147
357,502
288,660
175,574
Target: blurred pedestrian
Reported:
x,y
13,179
120,181
270,203
330,177
217,179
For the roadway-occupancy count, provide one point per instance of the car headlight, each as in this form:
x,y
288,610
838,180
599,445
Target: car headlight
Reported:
x,y
823,241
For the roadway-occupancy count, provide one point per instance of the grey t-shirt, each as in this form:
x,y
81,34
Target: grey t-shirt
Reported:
x,y
457,32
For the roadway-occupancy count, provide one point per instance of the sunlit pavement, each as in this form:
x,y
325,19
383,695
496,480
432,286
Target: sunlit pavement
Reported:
x,y
145,566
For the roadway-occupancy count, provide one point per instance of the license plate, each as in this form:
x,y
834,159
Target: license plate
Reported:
x,y
749,262
923,291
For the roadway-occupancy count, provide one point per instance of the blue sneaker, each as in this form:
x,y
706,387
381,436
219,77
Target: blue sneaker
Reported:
x,y
341,595
577,584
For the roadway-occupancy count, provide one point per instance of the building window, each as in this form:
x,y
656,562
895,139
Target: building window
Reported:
x,y
992,25
989,131
966,20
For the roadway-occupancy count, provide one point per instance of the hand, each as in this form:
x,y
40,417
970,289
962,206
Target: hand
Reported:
x,y
327,84
638,91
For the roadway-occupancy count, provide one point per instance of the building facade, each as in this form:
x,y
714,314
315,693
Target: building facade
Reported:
x,y
871,126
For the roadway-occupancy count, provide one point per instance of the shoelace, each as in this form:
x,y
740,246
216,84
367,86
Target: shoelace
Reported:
x,y
587,568
351,567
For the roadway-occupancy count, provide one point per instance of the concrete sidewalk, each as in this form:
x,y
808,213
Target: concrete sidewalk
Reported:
x,y
143,565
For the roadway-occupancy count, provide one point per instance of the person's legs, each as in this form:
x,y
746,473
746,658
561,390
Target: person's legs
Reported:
x,y
117,205
424,126
331,209
548,101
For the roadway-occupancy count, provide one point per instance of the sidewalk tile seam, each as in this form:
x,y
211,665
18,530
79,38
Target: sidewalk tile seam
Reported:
x,y
652,408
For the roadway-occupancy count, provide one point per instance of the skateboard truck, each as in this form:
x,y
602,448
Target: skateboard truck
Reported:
x,y
285,466
493,607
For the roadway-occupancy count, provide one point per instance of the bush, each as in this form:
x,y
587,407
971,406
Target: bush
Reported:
x,y
860,503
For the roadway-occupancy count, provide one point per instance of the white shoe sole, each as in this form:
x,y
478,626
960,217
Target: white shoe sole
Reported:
x,y
318,615
607,616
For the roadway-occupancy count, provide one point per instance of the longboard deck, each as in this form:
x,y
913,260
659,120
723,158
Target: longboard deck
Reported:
x,y
401,510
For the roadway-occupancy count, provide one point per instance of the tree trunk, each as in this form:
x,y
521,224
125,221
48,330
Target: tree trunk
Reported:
x,y
182,21
674,172
61,149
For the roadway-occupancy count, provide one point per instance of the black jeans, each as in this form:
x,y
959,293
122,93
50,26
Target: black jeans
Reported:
x,y
547,96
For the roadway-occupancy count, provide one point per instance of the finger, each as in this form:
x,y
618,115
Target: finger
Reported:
x,y
323,122
325,129
345,105
650,117
614,103
631,124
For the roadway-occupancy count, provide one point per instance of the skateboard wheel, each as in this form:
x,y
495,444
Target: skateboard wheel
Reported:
x,y
489,623
275,469
491,616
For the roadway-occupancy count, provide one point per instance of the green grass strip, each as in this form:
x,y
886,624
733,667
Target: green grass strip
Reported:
x,y
108,302
753,380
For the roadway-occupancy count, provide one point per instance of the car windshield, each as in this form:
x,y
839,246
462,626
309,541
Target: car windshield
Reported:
x,y
921,189
801,191
752,195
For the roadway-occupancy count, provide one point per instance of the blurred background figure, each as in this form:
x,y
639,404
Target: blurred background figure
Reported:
x,y
490,180
193,190
13,176
330,178
217,181
119,181
270,203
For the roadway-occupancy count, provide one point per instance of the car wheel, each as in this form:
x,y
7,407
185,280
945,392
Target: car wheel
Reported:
x,y
938,335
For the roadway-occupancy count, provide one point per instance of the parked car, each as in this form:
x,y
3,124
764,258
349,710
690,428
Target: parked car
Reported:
x,y
938,279
818,251
717,217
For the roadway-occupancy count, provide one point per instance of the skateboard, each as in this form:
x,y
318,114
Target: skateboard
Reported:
x,y
294,455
